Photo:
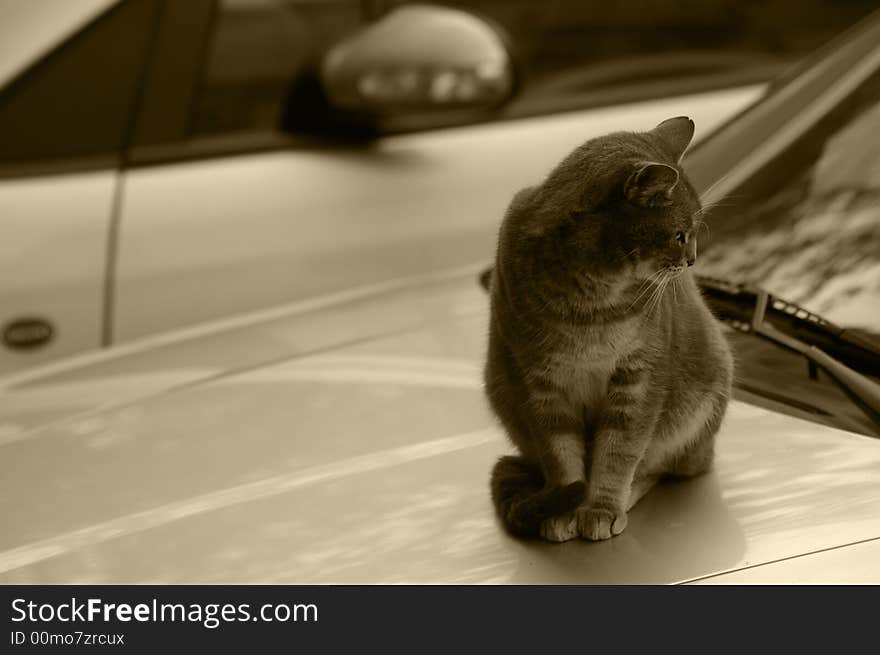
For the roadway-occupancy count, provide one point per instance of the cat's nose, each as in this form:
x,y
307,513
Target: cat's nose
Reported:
x,y
691,260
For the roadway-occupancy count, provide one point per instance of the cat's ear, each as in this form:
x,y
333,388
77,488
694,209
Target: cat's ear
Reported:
x,y
651,184
677,134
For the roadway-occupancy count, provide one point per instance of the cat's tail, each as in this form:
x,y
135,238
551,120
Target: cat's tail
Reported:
x,y
521,500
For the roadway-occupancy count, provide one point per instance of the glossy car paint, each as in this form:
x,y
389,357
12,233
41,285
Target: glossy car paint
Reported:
x,y
348,441
202,240
858,563
53,267
207,239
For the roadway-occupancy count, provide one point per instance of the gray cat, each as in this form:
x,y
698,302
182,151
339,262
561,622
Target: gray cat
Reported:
x,y
604,365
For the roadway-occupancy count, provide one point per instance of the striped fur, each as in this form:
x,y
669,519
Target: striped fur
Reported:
x,y
604,364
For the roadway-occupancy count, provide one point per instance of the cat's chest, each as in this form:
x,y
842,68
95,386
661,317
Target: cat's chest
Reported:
x,y
583,362
582,383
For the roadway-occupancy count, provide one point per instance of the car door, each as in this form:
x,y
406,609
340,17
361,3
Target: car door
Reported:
x,y
67,92
223,212
230,206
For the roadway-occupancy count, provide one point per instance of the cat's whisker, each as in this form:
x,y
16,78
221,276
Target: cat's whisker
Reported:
x,y
644,288
678,279
709,206
669,281
701,223
662,293
727,201
661,276
657,296
650,302
631,252
708,192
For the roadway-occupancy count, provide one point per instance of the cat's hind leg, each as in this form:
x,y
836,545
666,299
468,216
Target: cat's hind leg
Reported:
x,y
696,457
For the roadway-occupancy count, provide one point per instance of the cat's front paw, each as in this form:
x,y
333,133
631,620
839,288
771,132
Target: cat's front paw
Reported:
x,y
599,523
560,528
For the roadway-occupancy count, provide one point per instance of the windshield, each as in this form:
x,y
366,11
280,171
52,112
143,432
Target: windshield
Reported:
x,y
798,215
807,225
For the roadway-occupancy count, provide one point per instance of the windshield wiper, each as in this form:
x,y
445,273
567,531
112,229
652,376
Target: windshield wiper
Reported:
x,y
837,351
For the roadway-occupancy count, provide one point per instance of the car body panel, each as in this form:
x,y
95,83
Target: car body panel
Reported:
x,y
857,563
206,239
90,382
54,267
359,451
229,234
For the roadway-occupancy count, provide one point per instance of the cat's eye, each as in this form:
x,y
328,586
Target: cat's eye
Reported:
x,y
680,237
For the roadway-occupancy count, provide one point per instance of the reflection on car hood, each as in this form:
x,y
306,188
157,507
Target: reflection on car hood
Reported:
x,y
349,442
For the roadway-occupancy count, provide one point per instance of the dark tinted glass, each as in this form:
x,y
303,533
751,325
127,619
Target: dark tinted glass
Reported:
x,y
78,101
263,54
807,225
260,53
575,54
804,224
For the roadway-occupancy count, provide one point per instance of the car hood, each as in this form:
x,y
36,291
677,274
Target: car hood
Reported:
x,y
347,440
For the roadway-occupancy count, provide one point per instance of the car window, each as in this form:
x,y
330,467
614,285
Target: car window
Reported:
x,y
575,54
76,104
30,28
259,76
806,226
261,55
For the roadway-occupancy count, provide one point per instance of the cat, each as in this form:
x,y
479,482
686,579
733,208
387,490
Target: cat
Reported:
x,y
604,364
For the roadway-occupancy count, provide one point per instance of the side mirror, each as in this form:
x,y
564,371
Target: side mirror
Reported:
x,y
420,59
